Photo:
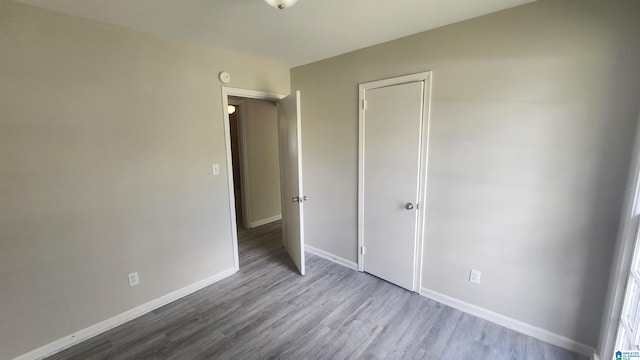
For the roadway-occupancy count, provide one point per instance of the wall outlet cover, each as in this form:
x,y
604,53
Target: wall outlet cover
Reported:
x,y
134,279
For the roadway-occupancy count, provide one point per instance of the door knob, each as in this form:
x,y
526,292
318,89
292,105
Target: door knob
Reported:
x,y
409,206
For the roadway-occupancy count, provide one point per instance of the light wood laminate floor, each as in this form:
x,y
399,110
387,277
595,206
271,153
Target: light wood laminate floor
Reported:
x,y
268,311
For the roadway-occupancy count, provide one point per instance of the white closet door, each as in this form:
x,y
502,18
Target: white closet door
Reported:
x,y
393,119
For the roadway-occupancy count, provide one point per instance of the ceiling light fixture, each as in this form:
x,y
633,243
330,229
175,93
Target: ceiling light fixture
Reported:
x,y
281,4
231,109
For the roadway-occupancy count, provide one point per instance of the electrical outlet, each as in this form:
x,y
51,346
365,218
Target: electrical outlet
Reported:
x,y
134,279
474,276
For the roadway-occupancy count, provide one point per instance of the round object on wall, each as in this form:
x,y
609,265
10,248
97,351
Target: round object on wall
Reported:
x,y
224,77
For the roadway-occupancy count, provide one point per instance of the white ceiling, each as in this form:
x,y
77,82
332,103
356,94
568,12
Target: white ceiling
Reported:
x,y
309,31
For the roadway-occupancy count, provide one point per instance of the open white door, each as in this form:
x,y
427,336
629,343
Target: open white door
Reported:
x,y
291,178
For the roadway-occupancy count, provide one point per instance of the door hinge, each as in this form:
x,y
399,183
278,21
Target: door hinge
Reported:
x,y
361,250
364,104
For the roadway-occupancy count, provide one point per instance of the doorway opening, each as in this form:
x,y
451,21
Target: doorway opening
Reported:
x,y
253,124
253,130
267,169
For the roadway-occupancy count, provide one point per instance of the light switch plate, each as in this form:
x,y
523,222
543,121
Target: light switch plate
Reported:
x,y
216,169
474,276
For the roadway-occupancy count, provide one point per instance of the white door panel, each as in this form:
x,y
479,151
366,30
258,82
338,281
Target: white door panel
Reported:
x,y
289,122
391,174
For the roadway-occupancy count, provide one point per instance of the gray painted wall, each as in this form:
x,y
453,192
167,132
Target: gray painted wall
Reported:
x,y
107,137
262,163
533,116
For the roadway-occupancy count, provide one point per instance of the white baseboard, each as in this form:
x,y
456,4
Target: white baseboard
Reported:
x,y
264,221
595,356
510,323
99,328
329,256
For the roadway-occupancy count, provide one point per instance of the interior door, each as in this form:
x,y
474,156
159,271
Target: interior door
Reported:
x,y
391,181
289,122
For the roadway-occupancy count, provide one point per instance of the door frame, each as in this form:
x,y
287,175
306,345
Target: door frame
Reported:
x,y
243,166
243,93
422,171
